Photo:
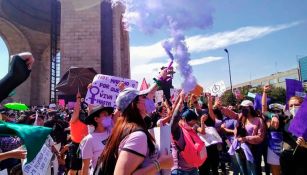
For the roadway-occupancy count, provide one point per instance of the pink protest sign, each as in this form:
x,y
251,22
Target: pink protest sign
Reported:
x,y
62,102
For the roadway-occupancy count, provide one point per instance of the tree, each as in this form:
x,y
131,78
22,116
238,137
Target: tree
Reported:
x,y
277,95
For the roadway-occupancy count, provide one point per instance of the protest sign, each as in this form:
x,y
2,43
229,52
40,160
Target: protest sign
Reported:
x,y
39,164
163,139
61,102
251,95
211,137
104,90
159,96
217,89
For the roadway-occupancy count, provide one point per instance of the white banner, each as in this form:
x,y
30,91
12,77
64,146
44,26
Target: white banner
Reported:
x,y
211,137
159,96
217,89
163,139
39,165
104,90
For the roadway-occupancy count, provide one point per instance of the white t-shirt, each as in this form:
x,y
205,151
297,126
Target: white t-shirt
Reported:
x,y
92,146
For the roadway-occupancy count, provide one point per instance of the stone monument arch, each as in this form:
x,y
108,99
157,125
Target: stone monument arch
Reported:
x,y
89,37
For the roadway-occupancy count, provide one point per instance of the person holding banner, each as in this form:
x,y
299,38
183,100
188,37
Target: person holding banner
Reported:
x,y
294,156
92,145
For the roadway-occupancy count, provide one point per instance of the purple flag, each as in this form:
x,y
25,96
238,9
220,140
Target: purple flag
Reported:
x,y
298,125
258,103
292,86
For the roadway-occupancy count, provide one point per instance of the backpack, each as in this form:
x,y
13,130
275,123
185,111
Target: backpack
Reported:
x,y
194,152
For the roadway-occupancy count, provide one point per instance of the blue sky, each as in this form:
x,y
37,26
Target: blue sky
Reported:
x,y
262,37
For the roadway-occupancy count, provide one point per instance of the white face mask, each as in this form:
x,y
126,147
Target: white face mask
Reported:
x,y
294,110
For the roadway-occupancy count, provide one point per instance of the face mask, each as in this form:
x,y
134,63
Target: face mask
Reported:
x,y
294,110
245,112
106,122
149,105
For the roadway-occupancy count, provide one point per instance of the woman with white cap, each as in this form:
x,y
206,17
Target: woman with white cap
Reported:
x,y
130,148
250,131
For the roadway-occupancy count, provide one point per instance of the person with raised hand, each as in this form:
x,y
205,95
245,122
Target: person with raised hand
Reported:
x,y
19,70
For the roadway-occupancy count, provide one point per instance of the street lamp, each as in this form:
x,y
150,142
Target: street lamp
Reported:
x,y
229,69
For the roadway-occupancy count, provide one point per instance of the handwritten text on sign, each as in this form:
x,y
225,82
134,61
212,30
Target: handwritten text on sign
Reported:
x,y
104,89
40,164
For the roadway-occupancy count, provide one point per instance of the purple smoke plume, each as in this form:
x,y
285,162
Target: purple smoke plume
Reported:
x,y
178,15
151,15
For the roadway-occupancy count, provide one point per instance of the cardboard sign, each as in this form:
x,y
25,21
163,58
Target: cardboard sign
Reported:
x,y
211,137
163,139
217,89
39,165
159,96
104,90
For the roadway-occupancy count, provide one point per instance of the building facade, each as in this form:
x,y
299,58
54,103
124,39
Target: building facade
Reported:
x,y
278,79
79,33
303,70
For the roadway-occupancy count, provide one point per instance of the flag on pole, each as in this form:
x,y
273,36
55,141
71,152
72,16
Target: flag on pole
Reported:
x,y
144,85
258,102
298,125
33,137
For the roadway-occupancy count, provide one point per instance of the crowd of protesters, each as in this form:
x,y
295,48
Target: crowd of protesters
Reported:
x,y
104,140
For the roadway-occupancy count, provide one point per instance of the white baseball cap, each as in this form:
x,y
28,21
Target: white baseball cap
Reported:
x,y
247,103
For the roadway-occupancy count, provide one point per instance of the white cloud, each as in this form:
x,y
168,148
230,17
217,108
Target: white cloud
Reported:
x,y
142,57
204,60
138,72
201,43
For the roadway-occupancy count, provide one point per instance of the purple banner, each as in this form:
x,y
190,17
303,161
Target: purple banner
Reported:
x,y
292,86
258,103
298,125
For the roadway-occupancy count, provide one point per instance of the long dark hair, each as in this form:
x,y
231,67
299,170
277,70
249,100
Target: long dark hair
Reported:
x,y
129,121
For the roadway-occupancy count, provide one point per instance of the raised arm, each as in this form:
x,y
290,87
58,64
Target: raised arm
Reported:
x,y
175,128
264,106
75,115
210,107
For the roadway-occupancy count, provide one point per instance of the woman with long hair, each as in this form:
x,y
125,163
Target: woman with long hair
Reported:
x,y
130,148
250,132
